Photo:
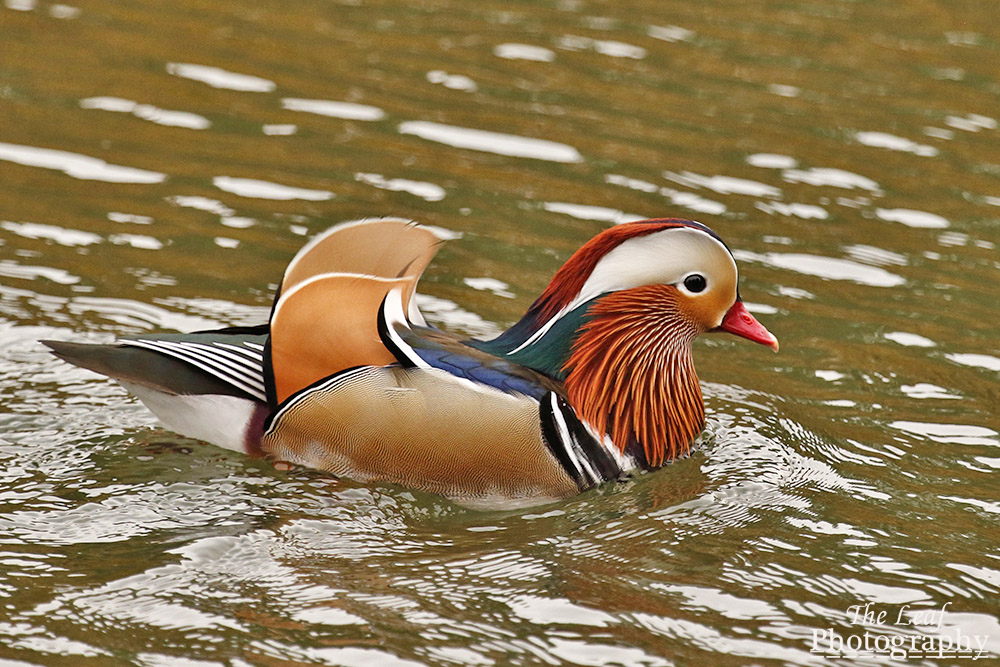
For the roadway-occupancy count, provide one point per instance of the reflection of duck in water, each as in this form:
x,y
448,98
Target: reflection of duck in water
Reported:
x,y
596,380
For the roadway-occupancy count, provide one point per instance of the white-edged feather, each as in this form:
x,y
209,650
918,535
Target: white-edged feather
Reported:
x,y
392,312
244,371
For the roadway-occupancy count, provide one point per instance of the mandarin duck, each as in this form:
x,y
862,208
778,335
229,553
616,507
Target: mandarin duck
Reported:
x,y
595,382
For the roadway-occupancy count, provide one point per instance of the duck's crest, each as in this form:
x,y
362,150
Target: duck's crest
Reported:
x,y
561,308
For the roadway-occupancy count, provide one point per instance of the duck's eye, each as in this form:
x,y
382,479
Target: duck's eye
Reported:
x,y
695,283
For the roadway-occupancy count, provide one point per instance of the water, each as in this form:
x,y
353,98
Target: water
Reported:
x,y
162,161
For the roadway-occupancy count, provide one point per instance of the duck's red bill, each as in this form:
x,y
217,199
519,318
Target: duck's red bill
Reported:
x,y
739,321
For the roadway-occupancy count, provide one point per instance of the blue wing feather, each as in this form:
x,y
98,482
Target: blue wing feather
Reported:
x,y
441,350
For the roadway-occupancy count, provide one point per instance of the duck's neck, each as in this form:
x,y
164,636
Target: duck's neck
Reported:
x,y
625,359
539,340
630,373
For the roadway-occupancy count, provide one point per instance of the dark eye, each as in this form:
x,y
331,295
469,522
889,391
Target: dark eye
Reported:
x,y
695,283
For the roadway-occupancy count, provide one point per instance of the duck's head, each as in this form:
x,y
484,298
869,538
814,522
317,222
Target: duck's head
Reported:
x,y
617,321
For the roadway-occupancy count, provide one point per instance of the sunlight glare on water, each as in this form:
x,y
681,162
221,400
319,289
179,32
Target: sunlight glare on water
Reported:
x,y
162,162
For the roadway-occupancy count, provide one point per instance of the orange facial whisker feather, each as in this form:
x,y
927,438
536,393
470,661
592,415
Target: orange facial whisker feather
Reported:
x,y
630,373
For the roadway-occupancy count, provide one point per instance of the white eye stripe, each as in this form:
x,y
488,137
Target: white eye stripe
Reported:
x,y
665,257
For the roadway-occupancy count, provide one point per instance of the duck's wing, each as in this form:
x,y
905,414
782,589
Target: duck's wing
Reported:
x,y
378,247
207,385
325,324
325,318
223,362
425,347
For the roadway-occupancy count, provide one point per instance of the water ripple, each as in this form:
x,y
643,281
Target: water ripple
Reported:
x,y
491,142
586,212
513,51
452,81
13,269
838,178
191,121
78,166
251,187
908,339
217,77
892,142
911,218
605,47
986,361
346,110
61,235
724,185
670,33
424,190
830,268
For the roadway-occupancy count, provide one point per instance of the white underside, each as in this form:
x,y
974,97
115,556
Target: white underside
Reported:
x,y
213,418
